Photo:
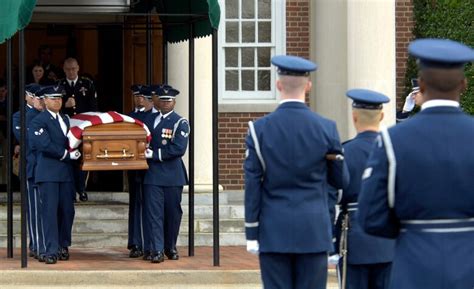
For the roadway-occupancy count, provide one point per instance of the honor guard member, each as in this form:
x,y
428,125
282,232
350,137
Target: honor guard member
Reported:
x,y
411,101
165,177
292,154
53,174
418,185
80,97
34,106
366,259
135,181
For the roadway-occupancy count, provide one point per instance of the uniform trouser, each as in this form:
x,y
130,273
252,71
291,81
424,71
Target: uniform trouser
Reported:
x,y
135,212
57,212
173,215
294,271
153,208
34,225
368,276
79,177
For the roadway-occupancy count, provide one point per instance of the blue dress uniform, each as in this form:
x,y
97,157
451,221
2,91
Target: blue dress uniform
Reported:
x,y
418,184
368,257
164,180
30,90
135,185
286,184
53,174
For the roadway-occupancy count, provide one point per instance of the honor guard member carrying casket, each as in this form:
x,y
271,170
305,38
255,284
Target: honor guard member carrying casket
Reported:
x,y
135,180
418,185
366,259
287,169
80,97
33,106
53,174
165,178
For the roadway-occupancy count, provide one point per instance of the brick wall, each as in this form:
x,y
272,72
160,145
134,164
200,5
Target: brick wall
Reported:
x,y
404,25
233,126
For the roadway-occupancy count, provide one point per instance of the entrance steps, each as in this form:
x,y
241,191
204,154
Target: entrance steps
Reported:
x,y
103,220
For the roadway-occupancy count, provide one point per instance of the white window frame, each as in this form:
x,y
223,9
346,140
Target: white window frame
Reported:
x,y
278,46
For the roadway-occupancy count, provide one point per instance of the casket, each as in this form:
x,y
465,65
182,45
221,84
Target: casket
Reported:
x,y
114,146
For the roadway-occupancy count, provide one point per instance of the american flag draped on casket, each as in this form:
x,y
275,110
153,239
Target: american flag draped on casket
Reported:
x,y
110,140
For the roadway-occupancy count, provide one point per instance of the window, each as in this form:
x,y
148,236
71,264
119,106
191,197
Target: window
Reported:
x,y
251,32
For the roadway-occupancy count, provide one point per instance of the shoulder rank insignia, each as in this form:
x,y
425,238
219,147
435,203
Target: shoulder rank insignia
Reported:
x,y
39,132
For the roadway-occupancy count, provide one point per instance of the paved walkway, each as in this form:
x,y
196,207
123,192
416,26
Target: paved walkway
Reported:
x,y
112,268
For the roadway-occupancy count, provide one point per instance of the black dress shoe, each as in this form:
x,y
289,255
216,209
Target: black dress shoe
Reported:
x,y
32,254
147,256
157,257
172,254
63,254
51,260
135,252
42,258
83,196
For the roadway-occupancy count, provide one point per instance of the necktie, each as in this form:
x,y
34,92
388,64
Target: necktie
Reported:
x,y
62,125
72,84
157,120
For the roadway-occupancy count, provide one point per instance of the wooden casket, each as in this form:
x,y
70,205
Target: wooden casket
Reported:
x,y
114,146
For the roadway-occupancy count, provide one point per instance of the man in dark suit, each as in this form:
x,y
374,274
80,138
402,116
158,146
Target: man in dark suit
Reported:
x,y
292,154
135,180
34,105
53,174
166,176
80,97
367,258
418,185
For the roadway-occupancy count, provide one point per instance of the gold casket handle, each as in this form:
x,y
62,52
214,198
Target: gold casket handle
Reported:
x,y
123,155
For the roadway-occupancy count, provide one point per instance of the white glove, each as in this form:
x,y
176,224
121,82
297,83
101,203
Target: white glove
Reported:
x,y
149,153
409,102
252,247
75,154
333,259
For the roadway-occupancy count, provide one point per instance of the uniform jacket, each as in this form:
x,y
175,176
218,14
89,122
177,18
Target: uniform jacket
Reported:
x,y
16,122
50,142
84,95
286,203
137,175
30,152
169,142
433,181
362,247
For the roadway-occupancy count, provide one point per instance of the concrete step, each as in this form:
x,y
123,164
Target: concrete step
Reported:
x,y
131,279
94,211
123,197
100,240
141,279
121,226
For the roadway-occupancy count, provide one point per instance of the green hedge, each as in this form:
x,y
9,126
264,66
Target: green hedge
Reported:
x,y
453,19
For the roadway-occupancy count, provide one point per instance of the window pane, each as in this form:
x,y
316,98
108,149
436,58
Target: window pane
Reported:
x,y
248,9
264,9
248,80
232,80
231,57
265,31
248,57
264,80
248,31
232,9
232,31
264,56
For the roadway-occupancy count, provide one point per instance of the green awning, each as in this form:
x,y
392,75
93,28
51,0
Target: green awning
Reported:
x,y
205,16
14,15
